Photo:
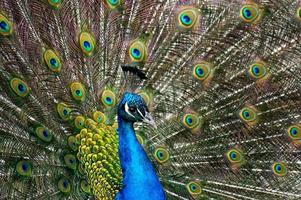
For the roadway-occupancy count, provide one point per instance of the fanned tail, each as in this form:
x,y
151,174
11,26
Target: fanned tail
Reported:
x,y
223,82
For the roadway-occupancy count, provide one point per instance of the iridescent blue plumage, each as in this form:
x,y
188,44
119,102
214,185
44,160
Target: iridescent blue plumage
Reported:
x,y
139,177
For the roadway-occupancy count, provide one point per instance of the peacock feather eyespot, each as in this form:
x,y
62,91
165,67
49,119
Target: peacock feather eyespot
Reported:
x,y
234,156
44,134
194,188
248,114
187,18
202,70
72,142
112,4
85,187
279,169
294,132
191,121
55,3
6,27
138,51
19,87
250,13
108,98
87,43
78,91
24,168
70,161
161,155
99,117
64,185
79,122
64,111
52,61
258,70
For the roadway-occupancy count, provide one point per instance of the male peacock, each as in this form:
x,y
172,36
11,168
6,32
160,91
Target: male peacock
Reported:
x,y
80,77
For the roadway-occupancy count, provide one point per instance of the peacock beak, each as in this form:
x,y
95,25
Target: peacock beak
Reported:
x,y
149,120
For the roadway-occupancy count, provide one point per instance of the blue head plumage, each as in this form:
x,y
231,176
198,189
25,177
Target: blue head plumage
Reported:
x,y
132,108
136,167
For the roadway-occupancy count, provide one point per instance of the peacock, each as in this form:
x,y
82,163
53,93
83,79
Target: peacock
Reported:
x,y
150,99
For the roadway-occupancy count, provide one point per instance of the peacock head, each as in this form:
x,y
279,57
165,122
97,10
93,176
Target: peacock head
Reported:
x,y
132,108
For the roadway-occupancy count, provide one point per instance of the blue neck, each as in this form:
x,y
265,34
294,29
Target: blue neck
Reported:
x,y
140,180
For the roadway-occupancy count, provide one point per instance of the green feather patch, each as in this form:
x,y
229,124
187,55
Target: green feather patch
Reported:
x,y
298,13
44,134
187,18
24,168
161,155
248,114
108,98
19,87
113,4
258,70
99,117
194,188
64,111
294,132
138,51
56,4
6,26
52,61
87,43
64,185
78,91
279,169
251,13
70,161
72,143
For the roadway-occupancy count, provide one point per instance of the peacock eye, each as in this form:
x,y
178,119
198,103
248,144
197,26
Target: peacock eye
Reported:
x,y
132,109
43,134
20,87
87,43
202,70
248,114
6,28
161,155
52,61
64,185
24,168
187,18
250,12
234,156
70,161
258,70
64,111
78,91
294,132
138,51
194,188
279,169
108,98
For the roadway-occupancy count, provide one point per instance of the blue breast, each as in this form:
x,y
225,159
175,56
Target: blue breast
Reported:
x,y
139,177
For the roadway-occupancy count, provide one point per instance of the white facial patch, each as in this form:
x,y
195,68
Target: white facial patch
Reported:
x,y
127,110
